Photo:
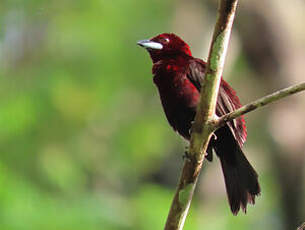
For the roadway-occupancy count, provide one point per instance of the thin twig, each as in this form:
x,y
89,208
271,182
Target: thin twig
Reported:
x,y
202,127
259,103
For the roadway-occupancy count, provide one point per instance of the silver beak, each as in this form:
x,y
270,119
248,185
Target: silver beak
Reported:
x,y
150,44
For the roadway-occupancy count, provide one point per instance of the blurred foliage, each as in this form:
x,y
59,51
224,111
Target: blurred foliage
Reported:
x,y
81,123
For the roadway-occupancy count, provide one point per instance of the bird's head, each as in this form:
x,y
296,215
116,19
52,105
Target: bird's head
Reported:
x,y
165,46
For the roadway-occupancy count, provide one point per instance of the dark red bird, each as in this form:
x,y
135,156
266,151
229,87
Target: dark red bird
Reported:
x,y
178,77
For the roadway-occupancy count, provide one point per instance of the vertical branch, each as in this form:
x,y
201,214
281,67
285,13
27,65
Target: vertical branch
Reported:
x,y
202,127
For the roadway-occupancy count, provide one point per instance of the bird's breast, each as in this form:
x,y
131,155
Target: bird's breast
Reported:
x,y
179,98
176,88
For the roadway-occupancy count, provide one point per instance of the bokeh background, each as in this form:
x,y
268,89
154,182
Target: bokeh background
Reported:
x,y
84,143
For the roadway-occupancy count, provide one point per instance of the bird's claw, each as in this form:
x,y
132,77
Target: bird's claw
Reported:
x,y
186,156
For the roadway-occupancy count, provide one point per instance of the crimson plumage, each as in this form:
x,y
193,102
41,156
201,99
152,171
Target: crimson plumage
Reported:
x,y
178,77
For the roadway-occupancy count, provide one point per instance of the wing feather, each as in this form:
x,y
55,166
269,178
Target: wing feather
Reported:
x,y
227,100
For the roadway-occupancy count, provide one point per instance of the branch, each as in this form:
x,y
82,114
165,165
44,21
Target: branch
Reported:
x,y
203,126
302,227
260,103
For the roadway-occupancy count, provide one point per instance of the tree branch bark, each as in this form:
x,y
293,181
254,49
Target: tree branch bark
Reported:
x,y
302,227
260,103
203,125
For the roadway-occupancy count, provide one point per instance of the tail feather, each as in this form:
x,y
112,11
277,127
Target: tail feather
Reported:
x,y
241,184
241,180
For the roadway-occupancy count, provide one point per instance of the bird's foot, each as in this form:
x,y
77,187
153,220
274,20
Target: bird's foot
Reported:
x,y
186,156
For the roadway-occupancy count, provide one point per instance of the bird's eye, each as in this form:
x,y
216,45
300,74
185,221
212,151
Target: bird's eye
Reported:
x,y
166,40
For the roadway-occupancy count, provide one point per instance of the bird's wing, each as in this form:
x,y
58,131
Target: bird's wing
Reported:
x,y
227,100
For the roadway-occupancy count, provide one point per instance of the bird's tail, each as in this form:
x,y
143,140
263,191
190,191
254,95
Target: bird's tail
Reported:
x,y
240,177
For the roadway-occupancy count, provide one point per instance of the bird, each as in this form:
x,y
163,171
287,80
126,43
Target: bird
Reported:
x,y
178,77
